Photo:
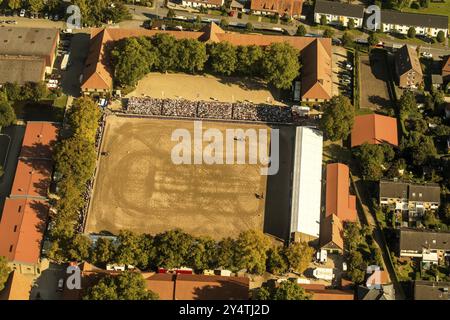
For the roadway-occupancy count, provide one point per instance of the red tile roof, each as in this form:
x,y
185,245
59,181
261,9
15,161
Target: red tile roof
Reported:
x,y
446,67
374,129
331,233
21,229
198,287
320,292
282,7
24,215
39,139
338,199
316,72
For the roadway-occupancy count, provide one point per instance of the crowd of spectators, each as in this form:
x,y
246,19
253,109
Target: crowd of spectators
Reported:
x,y
208,110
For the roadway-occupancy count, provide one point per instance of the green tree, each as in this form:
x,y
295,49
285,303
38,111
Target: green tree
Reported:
x,y
201,255
373,39
223,23
328,33
440,36
191,55
222,58
7,115
338,118
103,252
418,148
301,31
249,26
14,4
411,32
80,248
4,272
170,13
132,59
407,104
373,158
249,60
127,285
172,249
351,24
286,290
83,119
251,251
276,261
323,20
36,6
167,51
347,39
299,255
280,65
129,250
226,253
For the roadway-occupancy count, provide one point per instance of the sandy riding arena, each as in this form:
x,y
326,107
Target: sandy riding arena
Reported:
x,y
139,188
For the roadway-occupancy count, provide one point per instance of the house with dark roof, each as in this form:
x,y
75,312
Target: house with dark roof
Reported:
x,y
24,217
386,292
210,4
431,290
408,70
316,73
429,245
289,8
424,24
27,54
410,201
339,13
374,129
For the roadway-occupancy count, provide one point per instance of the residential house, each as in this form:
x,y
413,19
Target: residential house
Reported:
x,y
409,201
408,70
446,69
331,234
338,199
429,245
374,129
386,292
316,73
289,8
210,4
306,184
431,290
424,24
25,212
27,54
339,13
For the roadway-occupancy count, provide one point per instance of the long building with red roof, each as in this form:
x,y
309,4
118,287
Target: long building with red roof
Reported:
x,y
315,53
24,217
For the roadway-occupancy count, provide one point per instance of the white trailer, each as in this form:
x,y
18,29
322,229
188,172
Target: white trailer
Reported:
x,y
323,274
65,62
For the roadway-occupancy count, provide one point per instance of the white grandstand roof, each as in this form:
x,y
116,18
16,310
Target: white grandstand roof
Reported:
x,y
307,182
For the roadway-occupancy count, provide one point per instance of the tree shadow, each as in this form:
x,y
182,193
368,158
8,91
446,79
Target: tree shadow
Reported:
x,y
229,289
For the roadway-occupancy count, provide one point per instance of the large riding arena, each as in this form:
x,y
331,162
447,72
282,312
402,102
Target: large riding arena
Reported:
x,y
138,187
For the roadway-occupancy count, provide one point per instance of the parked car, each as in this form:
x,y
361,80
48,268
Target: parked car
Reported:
x,y
46,15
22,13
60,285
426,54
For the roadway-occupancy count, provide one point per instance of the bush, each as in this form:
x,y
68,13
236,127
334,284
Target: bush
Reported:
x,y
440,36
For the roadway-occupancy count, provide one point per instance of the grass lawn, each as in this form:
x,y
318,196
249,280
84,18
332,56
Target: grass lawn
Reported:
x,y
442,8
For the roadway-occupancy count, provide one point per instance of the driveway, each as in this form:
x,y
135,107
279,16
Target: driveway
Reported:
x,y
46,284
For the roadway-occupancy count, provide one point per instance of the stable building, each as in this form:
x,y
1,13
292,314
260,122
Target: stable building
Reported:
x,y
289,8
27,54
374,129
306,184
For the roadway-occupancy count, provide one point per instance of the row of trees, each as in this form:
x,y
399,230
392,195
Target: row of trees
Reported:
x,y
93,12
133,58
251,250
75,163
